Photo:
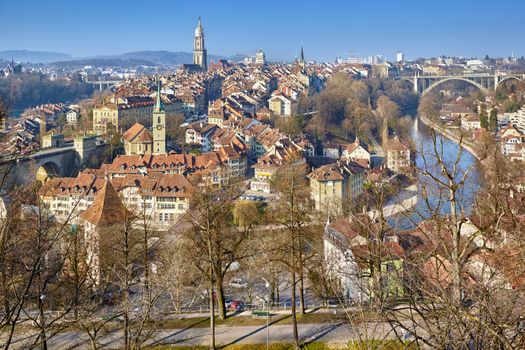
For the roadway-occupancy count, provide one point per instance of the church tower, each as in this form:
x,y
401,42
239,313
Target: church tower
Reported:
x,y
302,62
200,56
159,124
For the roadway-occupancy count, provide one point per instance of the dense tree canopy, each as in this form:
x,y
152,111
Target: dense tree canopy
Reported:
x,y
30,89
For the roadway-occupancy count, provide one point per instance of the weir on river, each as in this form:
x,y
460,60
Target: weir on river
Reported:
x,y
429,196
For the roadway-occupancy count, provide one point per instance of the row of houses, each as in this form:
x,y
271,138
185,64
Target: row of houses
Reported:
x,y
364,258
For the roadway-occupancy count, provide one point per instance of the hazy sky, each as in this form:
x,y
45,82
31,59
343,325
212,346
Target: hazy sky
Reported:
x,y
325,28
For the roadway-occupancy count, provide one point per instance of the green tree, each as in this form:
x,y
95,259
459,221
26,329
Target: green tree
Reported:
x,y
493,119
483,117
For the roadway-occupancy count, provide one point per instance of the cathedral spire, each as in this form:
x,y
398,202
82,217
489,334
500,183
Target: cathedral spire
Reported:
x,y
158,105
200,56
301,59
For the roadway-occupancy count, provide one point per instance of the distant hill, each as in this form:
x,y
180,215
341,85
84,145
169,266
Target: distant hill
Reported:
x,y
33,56
102,62
168,58
127,59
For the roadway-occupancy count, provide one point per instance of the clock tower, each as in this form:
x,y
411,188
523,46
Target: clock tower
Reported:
x,y
200,55
159,124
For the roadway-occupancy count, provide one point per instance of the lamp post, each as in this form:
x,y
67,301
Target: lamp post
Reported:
x,y
267,313
268,316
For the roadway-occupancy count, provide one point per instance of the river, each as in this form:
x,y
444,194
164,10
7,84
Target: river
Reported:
x,y
426,160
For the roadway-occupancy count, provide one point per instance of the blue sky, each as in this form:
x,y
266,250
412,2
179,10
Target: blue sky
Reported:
x,y
325,28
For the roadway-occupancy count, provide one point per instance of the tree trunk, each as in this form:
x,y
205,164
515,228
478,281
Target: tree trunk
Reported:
x,y
219,291
456,264
294,316
302,307
212,317
126,290
94,345
126,321
43,337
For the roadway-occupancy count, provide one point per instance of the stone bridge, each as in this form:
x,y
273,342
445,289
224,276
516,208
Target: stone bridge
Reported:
x,y
485,82
68,160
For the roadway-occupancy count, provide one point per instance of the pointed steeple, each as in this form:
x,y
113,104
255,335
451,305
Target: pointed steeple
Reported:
x,y
301,59
158,105
107,208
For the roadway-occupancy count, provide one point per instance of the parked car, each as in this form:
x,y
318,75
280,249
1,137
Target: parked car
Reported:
x,y
238,283
235,305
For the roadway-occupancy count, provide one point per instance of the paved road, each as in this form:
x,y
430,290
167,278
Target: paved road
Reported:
x,y
335,333
378,157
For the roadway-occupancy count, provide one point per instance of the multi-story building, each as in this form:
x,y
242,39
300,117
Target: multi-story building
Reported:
x,y
349,248
398,155
216,113
214,168
72,116
470,121
159,198
334,185
268,165
281,105
199,134
357,152
125,112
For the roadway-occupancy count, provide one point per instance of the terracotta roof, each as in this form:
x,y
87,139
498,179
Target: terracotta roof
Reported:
x,y
335,171
136,130
386,250
107,208
396,145
329,172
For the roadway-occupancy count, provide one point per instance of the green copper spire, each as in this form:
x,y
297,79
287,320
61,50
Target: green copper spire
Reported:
x,y
158,105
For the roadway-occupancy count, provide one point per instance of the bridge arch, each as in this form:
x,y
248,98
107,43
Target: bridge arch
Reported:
x,y
437,83
411,81
47,170
507,79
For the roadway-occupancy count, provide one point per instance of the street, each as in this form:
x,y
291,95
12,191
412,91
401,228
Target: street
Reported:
x,y
335,333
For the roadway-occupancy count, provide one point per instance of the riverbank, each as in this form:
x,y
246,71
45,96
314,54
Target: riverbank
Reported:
x,y
451,136
405,200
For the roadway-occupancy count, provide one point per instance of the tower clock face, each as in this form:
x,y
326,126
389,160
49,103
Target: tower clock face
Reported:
x,y
159,127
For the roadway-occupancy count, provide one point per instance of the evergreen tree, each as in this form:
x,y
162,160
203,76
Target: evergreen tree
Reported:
x,y
493,119
483,117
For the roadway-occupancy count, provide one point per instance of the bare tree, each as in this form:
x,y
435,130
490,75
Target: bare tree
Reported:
x,y
292,212
215,242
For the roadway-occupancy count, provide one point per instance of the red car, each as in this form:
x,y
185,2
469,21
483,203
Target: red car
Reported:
x,y
236,305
